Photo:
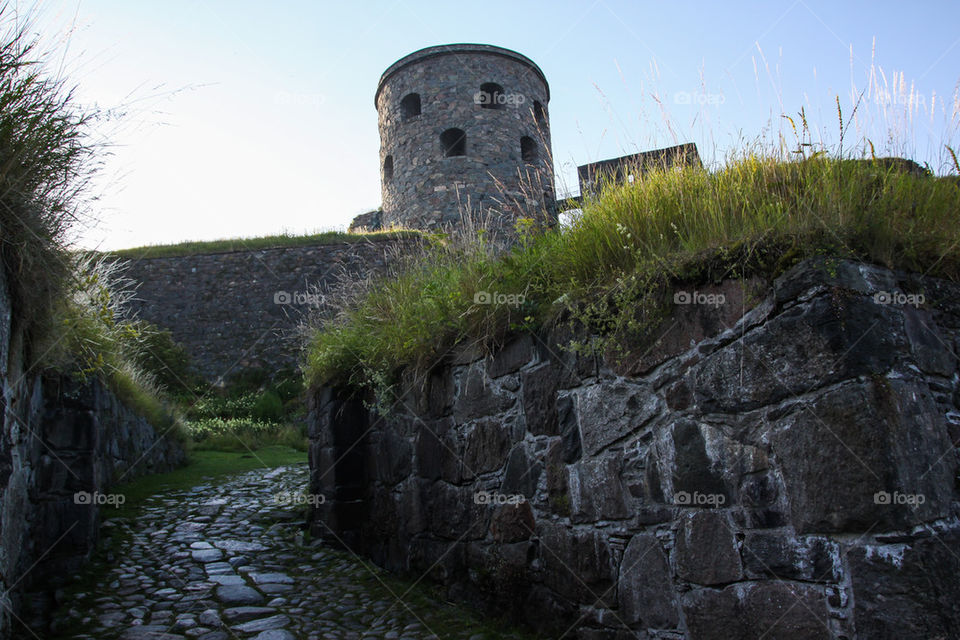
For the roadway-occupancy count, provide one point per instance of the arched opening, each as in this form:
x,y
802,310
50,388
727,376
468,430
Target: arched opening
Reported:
x,y
388,169
410,106
528,149
490,96
454,142
539,115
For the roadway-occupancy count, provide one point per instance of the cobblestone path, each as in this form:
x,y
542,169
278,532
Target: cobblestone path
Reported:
x,y
230,562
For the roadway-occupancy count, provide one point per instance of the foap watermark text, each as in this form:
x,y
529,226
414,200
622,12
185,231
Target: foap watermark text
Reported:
x,y
298,298
697,499
492,497
494,297
292,498
499,99
897,498
898,298
99,499
698,297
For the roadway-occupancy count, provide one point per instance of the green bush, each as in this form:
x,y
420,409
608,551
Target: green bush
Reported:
x,y
249,413
166,360
268,407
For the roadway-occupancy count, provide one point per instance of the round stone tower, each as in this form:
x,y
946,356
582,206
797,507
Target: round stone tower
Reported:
x,y
464,127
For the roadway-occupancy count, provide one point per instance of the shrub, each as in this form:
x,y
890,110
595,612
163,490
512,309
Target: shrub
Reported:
x,y
268,407
166,360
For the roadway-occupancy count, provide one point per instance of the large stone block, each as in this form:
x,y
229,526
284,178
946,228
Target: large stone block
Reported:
x,y
578,564
694,464
779,554
822,275
522,473
454,512
645,589
907,590
485,446
928,344
568,428
825,340
478,397
71,429
392,458
865,456
540,400
512,523
706,548
511,357
430,394
558,492
690,324
757,611
596,491
612,409
433,452
443,561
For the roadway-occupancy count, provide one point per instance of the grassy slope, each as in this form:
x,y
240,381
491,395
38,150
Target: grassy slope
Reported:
x,y
249,244
614,270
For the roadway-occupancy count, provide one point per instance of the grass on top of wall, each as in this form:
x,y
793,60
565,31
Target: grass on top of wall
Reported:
x,y
227,245
612,273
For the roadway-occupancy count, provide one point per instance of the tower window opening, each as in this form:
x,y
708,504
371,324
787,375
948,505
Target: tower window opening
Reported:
x,y
528,149
388,168
454,142
491,96
539,115
410,106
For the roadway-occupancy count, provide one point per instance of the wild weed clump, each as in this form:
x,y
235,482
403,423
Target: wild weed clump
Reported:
x,y
96,338
46,162
66,308
609,271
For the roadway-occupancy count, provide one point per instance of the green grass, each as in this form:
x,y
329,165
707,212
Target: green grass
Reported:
x,y
226,245
612,273
203,467
250,412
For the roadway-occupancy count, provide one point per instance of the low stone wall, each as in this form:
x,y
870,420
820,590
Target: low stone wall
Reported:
x,y
63,445
782,465
241,309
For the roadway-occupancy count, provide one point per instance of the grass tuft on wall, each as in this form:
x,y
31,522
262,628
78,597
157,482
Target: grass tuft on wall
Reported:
x,y
610,272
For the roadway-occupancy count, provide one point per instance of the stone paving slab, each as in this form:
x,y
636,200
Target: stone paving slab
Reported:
x,y
229,562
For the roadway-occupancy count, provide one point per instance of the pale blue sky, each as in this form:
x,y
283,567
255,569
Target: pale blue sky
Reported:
x,y
247,119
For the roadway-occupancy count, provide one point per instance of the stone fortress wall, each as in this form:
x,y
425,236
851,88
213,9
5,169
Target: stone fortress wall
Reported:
x,y
463,124
782,465
241,309
63,445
